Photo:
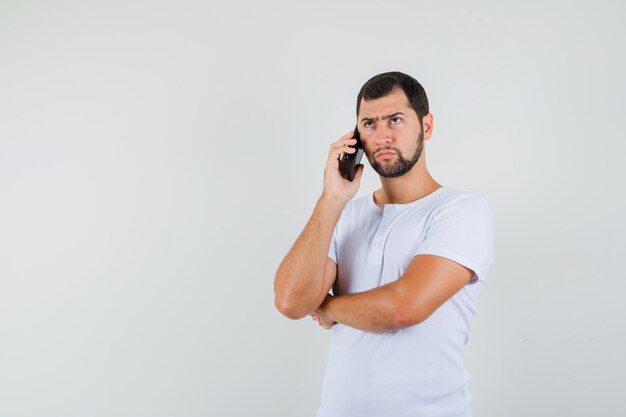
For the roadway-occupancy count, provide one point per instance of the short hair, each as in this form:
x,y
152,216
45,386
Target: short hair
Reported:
x,y
383,84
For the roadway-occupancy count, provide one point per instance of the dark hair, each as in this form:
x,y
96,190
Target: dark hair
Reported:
x,y
382,84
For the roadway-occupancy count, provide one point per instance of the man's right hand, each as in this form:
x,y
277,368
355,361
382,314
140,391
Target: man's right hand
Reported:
x,y
335,186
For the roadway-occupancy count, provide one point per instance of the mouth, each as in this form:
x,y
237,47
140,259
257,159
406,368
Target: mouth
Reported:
x,y
384,154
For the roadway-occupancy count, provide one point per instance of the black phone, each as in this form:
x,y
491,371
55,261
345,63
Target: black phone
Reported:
x,y
349,161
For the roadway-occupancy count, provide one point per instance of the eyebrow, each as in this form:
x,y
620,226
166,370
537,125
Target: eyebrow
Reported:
x,y
370,119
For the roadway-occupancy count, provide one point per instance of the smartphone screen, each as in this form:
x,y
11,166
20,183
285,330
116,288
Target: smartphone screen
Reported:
x,y
349,161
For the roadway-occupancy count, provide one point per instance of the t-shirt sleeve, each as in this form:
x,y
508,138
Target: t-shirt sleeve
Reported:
x,y
462,231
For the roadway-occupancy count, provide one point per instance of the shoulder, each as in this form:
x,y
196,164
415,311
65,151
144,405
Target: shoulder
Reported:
x,y
461,228
454,207
453,200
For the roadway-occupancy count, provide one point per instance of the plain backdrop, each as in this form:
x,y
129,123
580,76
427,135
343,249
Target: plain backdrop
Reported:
x,y
159,158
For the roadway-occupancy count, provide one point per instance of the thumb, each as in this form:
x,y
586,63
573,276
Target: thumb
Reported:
x,y
359,172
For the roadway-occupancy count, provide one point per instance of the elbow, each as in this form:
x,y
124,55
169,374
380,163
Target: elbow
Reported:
x,y
284,300
408,310
292,301
407,316
288,308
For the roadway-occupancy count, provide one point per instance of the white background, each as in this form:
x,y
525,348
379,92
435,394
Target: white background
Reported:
x,y
158,159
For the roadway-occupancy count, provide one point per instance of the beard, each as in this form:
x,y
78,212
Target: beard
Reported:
x,y
402,164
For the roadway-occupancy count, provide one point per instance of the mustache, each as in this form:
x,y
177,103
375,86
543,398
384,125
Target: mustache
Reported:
x,y
386,148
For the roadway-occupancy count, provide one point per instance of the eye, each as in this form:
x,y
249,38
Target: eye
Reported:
x,y
367,124
395,120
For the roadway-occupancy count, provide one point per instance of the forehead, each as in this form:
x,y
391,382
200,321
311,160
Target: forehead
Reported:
x,y
396,101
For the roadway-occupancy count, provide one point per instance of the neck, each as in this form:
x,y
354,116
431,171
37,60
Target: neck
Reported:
x,y
413,185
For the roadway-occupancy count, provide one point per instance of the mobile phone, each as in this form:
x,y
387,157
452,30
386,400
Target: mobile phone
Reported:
x,y
349,161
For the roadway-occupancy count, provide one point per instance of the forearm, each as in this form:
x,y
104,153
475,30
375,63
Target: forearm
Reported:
x,y
299,284
377,310
428,282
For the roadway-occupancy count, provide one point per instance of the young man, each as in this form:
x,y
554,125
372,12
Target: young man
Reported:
x,y
405,264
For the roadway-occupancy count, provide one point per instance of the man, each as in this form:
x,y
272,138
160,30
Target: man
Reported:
x,y
405,264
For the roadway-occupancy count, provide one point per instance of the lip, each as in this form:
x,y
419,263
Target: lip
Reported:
x,y
383,154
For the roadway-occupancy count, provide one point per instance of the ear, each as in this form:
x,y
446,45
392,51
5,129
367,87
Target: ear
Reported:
x,y
427,123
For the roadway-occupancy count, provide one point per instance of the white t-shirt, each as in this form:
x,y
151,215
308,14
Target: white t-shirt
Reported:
x,y
418,370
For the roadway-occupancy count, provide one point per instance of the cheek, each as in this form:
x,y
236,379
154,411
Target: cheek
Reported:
x,y
367,147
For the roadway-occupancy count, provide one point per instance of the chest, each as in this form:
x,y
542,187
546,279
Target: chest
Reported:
x,y
376,249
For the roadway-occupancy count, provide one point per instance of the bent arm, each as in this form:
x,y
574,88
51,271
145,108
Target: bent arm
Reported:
x,y
427,283
306,274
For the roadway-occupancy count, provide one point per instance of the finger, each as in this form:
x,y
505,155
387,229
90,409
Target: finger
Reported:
x,y
336,151
348,135
340,145
348,149
345,142
359,172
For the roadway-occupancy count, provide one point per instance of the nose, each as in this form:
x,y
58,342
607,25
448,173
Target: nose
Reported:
x,y
382,135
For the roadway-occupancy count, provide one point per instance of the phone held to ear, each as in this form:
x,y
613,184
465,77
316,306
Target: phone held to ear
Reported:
x,y
349,161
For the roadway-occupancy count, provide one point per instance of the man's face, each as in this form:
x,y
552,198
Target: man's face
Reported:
x,y
391,133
